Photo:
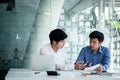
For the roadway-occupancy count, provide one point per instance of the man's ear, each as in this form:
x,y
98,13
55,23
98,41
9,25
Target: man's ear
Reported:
x,y
54,42
100,43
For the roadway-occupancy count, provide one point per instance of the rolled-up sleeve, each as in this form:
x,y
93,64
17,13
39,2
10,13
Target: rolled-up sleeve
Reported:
x,y
106,59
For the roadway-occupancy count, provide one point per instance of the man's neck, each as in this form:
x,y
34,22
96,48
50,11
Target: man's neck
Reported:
x,y
95,51
54,48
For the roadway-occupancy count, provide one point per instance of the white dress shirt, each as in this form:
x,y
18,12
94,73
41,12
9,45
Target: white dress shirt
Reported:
x,y
60,56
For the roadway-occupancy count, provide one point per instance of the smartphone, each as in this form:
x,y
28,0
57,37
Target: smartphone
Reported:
x,y
53,73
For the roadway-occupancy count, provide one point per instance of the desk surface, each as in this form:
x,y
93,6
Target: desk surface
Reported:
x,y
26,74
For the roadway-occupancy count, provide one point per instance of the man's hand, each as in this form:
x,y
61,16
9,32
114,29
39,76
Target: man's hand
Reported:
x,y
79,66
99,68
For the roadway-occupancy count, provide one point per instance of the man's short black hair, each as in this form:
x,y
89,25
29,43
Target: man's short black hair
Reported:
x,y
57,35
98,35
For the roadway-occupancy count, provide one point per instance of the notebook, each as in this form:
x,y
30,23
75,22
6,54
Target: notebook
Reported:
x,y
42,63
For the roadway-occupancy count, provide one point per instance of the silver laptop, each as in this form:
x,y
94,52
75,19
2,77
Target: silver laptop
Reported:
x,y
42,63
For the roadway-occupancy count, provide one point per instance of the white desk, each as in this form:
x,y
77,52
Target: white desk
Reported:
x,y
26,74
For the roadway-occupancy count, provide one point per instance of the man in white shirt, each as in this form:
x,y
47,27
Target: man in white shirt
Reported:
x,y
56,48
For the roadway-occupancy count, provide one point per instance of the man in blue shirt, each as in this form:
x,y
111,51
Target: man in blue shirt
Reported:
x,y
94,54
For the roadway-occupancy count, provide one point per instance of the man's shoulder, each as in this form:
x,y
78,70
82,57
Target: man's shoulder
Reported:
x,y
46,46
86,47
104,47
46,49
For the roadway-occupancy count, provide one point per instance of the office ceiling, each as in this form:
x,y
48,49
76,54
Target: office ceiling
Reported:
x,y
70,6
11,4
74,6
78,5
117,3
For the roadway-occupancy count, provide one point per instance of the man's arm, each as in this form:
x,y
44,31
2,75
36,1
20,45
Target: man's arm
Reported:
x,y
80,60
106,60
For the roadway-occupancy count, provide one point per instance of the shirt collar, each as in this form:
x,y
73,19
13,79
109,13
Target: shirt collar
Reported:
x,y
50,47
100,50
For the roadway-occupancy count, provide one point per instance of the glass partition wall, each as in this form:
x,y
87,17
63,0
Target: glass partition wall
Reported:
x,y
81,24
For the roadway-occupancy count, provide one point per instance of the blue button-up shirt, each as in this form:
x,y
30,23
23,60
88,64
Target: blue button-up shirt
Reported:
x,y
101,57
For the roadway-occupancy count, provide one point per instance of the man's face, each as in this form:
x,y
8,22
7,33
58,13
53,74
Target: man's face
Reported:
x,y
94,43
61,44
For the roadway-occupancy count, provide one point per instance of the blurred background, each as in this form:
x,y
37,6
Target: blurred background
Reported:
x,y
25,26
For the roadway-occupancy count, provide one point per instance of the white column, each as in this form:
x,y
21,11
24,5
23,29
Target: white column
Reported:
x,y
111,9
101,17
46,20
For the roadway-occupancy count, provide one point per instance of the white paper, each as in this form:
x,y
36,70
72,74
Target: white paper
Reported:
x,y
116,75
92,67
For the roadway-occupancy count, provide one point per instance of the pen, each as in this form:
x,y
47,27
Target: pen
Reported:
x,y
36,72
85,63
81,62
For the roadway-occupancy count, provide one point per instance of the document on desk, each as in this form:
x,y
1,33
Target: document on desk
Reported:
x,y
92,67
116,75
